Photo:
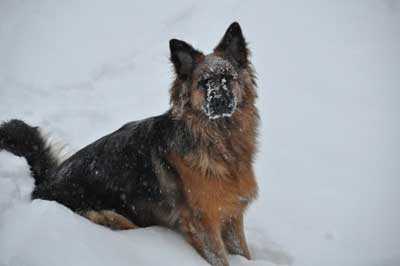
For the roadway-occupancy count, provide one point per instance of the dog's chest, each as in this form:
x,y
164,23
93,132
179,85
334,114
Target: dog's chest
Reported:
x,y
218,197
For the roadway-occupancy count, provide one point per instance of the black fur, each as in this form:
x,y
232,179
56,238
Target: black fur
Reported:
x,y
234,46
123,171
26,141
183,57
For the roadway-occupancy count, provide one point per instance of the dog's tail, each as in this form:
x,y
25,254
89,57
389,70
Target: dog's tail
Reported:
x,y
23,140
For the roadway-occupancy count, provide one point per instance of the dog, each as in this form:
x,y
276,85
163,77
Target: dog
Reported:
x,y
189,169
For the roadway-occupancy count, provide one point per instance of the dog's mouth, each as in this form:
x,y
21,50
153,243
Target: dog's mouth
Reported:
x,y
219,103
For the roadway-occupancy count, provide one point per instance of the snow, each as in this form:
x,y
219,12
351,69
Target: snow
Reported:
x,y
212,66
328,166
213,88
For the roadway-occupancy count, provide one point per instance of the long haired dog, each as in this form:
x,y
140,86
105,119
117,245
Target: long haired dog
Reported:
x,y
189,169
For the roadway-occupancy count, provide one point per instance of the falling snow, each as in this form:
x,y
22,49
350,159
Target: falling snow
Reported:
x,y
327,165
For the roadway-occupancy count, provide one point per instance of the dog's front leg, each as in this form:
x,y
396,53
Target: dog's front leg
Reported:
x,y
205,237
234,238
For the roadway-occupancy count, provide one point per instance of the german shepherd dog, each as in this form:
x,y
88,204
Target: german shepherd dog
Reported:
x,y
189,169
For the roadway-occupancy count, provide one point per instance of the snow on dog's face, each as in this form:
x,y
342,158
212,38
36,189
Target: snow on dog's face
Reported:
x,y
215,90
209,84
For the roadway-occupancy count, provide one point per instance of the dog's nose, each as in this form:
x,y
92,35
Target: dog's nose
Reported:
x,y
220,104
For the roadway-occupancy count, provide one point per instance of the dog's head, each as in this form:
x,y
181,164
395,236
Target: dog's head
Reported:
x,y
211,85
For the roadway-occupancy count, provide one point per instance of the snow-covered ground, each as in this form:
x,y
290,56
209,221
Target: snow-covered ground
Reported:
x,y
329,96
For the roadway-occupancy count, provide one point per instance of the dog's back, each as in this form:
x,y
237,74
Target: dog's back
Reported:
x,y
120,171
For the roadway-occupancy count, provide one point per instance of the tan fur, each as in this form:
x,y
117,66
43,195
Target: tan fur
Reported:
x,y
234,238
109,219
218,197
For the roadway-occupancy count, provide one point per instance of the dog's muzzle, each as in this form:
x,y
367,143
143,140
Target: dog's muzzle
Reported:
x,y
219,103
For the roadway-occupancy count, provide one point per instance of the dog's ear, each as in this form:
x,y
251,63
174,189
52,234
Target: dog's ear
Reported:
x,y
233,46
184,58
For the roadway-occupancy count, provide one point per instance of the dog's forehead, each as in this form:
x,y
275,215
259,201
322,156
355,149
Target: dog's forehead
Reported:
x,y
214,65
